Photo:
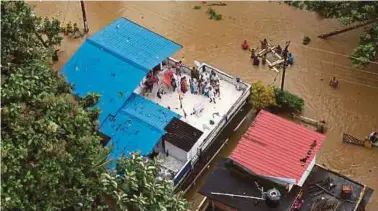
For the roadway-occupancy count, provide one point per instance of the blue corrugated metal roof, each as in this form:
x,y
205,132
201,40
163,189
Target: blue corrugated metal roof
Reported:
x,y
112,63
92,69
129,134
148,111
139,125
135,43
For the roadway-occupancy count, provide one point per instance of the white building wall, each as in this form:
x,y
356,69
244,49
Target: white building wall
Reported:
x,y
307,172
175,152
159,147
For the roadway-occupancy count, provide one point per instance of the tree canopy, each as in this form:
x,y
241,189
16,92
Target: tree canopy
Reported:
x,y
52,156
262,96
349,12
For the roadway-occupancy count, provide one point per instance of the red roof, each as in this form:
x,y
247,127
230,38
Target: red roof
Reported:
x,y
274,147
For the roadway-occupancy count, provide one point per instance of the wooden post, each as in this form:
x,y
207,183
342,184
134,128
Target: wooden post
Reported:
x,y
285,52
283,74
86,27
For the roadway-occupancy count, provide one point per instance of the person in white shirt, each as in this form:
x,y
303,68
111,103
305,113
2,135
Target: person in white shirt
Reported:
x,y
212,95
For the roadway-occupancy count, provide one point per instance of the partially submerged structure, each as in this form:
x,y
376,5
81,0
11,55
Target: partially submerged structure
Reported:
x,y
273,166
114,62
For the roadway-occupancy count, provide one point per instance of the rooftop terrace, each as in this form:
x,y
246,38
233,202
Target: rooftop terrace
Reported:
x,y
211,112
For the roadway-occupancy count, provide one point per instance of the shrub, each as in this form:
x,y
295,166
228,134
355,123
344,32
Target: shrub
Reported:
x,y
288,102
197,7
261,96
213,14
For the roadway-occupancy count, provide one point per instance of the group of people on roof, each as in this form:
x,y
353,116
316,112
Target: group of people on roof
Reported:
x,y
205,83
201,82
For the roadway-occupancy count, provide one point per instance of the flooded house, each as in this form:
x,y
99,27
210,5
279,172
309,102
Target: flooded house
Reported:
x,y
273,167
141,108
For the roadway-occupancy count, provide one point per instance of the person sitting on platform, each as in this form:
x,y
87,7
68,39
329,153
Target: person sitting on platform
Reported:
x,y
264,44
373,137
279,50
253,54
334,82
256,61
263,59
245,45
290,59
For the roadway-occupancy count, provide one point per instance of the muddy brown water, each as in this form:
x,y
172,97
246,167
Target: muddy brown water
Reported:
x,y
353,108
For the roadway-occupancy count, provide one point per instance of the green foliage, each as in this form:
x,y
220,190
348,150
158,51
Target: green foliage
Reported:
x,y
48,144
288,102
213,14
261,96
25,37
139,187
348,12
368,48
197,7
52,157
90,100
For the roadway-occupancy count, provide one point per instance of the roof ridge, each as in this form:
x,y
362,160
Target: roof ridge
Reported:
x,y
124,58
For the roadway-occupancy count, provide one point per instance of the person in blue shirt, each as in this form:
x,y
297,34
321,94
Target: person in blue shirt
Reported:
x,y
290,59
373,137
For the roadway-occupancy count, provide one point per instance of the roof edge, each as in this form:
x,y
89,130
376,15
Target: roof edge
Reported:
x,y
151,31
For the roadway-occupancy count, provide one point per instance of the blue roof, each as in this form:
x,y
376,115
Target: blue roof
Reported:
x,y
92,69
135,43
138,126
148,112
112,63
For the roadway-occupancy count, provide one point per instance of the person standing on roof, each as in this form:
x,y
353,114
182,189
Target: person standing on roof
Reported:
x,y
213,77
194,73
178,68
211,92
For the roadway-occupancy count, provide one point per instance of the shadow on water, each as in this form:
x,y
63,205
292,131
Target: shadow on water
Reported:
x,y
352,108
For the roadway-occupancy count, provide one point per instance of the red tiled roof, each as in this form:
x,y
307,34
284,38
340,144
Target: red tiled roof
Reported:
x,y
274,146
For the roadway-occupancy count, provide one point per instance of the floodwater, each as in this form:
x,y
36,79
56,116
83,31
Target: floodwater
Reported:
x,y
353,108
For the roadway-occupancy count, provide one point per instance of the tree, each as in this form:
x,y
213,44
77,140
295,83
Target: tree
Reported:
x,y
52,156
26,37
139,187
261,96
287,102
348,13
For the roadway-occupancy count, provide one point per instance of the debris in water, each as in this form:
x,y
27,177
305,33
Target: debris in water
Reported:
x,y
306,40
197,7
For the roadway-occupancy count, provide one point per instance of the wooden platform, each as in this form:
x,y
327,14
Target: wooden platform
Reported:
x,y
352,140
272,58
